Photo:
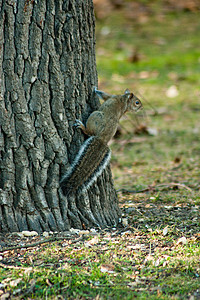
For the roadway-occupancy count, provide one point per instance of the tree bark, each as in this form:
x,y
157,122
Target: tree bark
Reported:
x,y
48,71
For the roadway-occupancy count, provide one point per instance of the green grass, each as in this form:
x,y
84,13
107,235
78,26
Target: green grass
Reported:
x,y
165,43
76,272
143,262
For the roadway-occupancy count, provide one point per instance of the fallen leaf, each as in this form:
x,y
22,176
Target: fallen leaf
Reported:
x,y
15,282
126,232
152,131
74,231
172,92
148,258
157,262
17,234
144,74
182,240
177,160
143,129
48,282
82,232
135,56
125,221
45,234
29,233
92,242
5,296
107,268
136,247
28,271
93,231
165,263
165,231
6,280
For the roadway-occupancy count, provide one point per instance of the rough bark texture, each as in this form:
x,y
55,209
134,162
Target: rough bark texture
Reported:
x,y
48,70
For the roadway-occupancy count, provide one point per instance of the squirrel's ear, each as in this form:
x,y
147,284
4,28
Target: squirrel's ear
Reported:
x,y
127,91
130,96
101,94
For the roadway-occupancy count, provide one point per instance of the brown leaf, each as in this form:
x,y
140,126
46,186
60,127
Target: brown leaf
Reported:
x,y
182,241
92,242
165,231
5,296
107,268
15,282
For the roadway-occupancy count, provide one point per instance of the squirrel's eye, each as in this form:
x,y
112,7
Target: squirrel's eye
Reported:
x,y
137,102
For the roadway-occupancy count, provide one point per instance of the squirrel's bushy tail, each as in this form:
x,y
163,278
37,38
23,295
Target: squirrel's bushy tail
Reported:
x,y
89,163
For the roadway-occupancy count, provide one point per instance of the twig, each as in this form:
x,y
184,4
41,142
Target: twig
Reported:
x,y
14,267
133,191
52,239
155,188
175,184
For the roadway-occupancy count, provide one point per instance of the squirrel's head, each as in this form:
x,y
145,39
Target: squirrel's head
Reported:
x,y
133,103
129,100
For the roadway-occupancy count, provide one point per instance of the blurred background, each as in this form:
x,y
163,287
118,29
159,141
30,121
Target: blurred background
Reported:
x,y
153,48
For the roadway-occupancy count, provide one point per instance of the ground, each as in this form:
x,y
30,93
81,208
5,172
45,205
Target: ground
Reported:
x,y
152,49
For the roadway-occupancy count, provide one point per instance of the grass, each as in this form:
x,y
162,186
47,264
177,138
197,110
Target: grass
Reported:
x,y
139,263
157,256
164,42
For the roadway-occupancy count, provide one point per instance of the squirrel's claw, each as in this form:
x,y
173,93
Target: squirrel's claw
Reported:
x,y
78,124
81,126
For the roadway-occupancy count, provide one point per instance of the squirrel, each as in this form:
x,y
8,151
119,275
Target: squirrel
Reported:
x,y
94,155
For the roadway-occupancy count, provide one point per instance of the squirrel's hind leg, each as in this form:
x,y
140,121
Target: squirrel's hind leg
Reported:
x,y
80,125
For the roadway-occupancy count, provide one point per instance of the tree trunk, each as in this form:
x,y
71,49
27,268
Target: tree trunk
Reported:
x,y
48,71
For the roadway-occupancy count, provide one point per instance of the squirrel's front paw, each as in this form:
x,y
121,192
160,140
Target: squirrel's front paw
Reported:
x,y
78,124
